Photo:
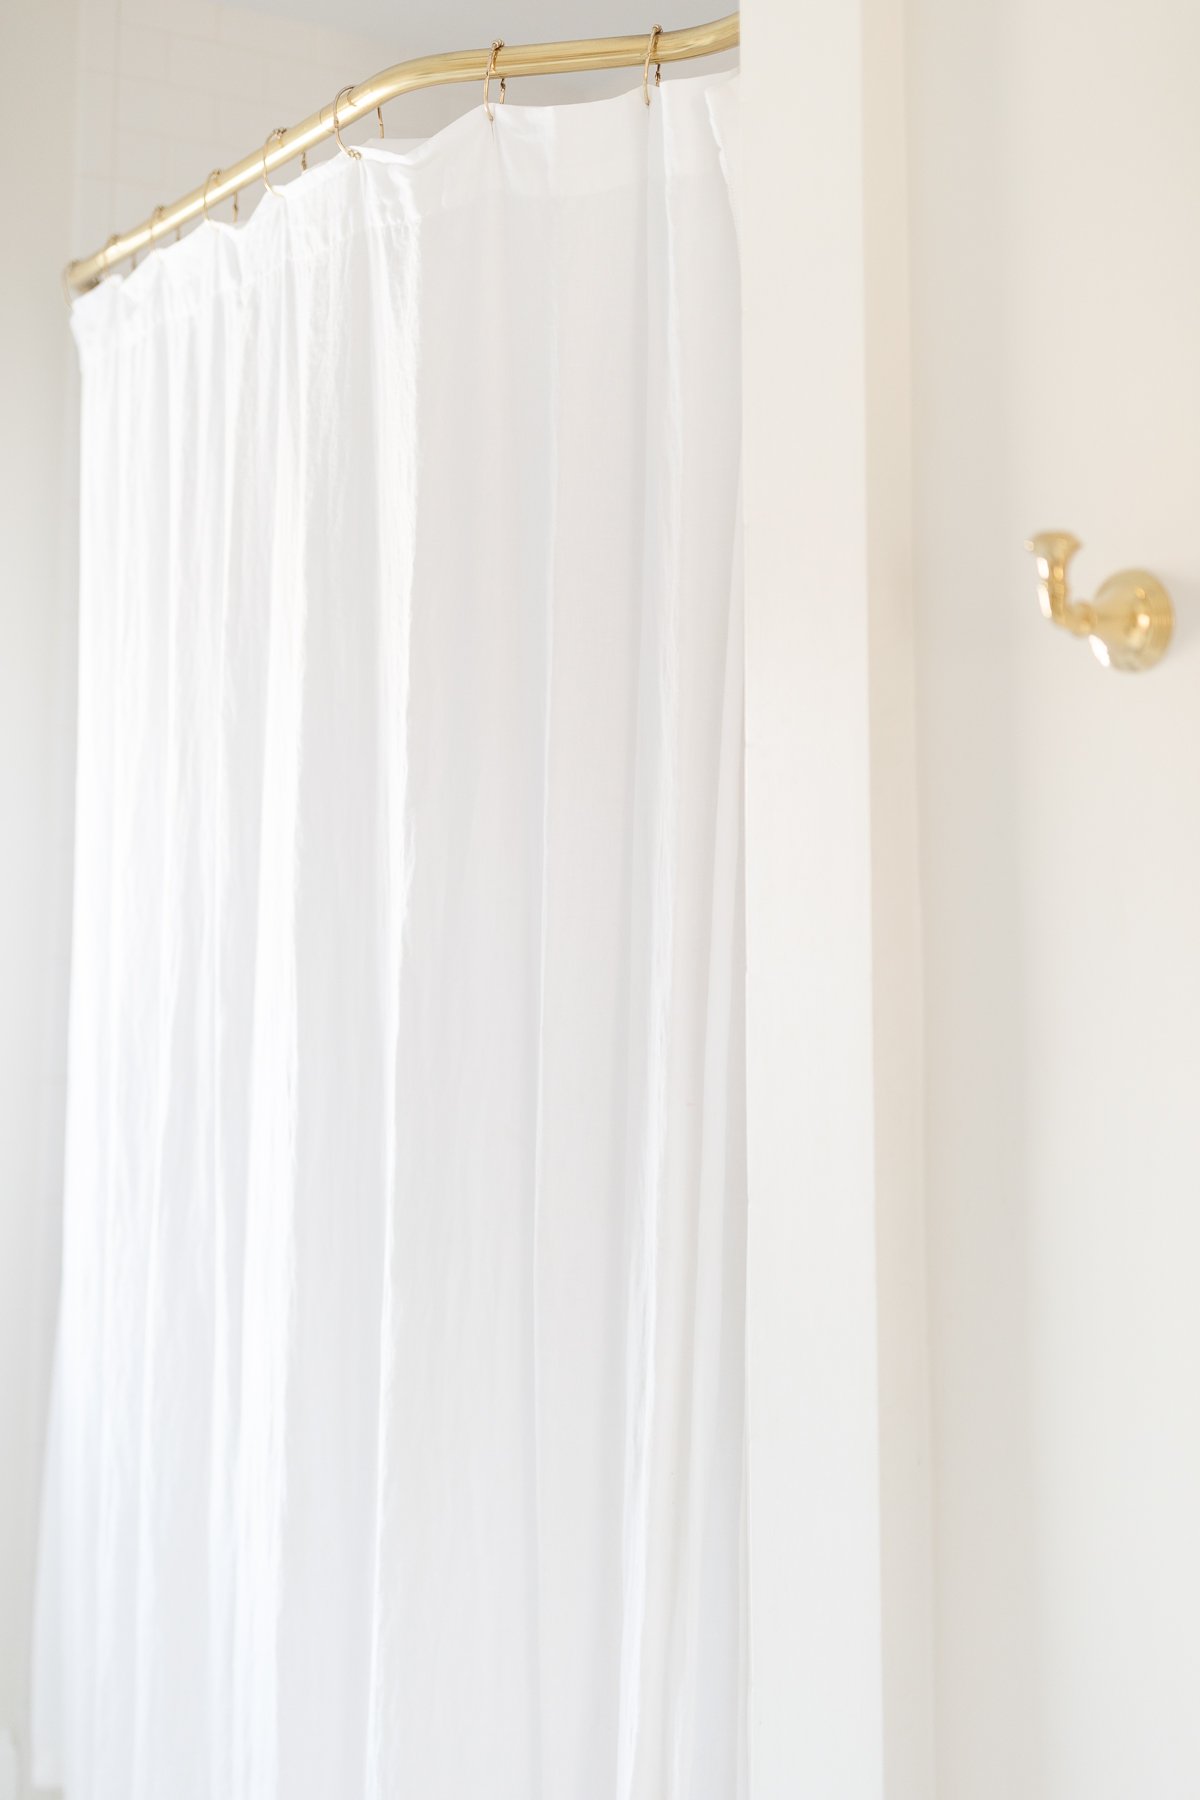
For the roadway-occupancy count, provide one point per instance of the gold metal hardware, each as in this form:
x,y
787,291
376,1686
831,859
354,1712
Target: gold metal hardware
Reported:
x,y
347,149
497,47
213,177
655,34
578,57
1130,621
276,137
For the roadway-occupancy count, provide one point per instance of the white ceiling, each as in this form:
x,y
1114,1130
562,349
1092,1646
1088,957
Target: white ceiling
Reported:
x,y
419,27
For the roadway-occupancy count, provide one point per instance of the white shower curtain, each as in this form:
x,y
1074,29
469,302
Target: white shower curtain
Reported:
x,y
398,1437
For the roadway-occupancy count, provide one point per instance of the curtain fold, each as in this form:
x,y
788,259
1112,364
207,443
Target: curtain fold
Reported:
x,y
398,1433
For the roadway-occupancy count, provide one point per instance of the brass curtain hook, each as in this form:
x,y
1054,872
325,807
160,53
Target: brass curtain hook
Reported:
x,y
497,46
216,176
155,216
348,149
655,34
379,116
275,137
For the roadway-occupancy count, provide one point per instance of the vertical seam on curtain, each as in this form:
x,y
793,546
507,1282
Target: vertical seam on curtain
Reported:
x,y
539,1164
167,1003
642,1324
223,1427
262,1421
107,1477
400,876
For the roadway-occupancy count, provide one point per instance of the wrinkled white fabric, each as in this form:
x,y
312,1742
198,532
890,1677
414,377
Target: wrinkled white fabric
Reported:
x,y
398,1436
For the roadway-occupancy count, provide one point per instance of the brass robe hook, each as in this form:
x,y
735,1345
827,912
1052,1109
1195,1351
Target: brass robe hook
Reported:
x,y
1130,621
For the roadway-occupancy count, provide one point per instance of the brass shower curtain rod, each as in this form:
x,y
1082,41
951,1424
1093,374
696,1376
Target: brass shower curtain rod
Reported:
x,y
426,71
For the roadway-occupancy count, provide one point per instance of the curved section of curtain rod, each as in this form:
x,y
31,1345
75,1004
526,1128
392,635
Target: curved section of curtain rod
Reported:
x,y
581,55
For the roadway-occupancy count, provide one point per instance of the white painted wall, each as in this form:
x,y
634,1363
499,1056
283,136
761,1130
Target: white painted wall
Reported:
x,y
1055,190
36,780
841,1653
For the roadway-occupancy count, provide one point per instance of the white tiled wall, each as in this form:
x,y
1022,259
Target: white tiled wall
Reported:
x,y
169,89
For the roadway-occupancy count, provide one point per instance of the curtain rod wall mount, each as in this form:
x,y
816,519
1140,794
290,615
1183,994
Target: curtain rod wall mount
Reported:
x,y
581,56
